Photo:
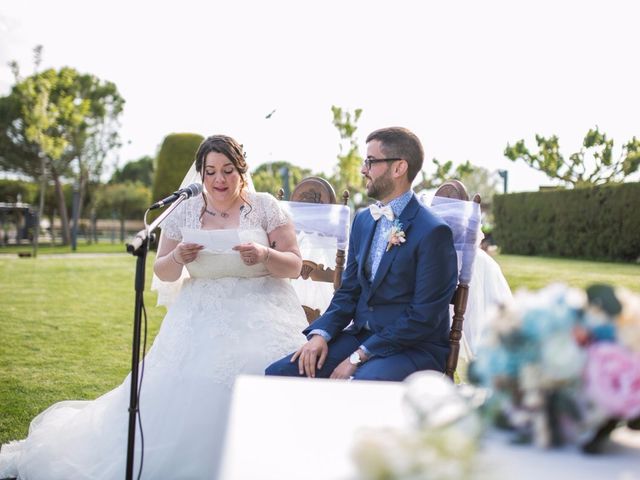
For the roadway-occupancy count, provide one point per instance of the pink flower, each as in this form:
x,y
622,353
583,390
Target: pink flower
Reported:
x,y
396,235
612,379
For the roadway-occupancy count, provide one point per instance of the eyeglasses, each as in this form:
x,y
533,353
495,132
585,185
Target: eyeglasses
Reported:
x,y
370,161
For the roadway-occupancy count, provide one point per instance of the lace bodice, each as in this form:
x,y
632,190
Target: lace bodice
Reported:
x,y
261,212
260,216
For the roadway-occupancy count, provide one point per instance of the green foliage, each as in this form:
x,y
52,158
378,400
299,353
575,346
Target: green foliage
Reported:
x,y
592,165
176,155
17,153
443,172
11,189
482,181
62,115
140,170
267,178
347,175
57,118
124,201
593,223
127,200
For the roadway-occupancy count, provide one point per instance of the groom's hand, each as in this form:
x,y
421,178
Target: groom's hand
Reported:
x,y
312,353
344,370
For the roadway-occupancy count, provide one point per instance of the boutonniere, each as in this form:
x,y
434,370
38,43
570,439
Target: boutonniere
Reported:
x,y
396,235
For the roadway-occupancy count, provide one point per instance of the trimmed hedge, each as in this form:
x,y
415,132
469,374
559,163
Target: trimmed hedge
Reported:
x,y
176,155
599,223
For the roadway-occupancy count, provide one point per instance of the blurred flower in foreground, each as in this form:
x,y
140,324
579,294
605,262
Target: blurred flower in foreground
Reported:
x,y
563,365
439,443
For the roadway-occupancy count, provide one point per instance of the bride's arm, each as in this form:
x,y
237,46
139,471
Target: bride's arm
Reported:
x,y
172,256
283,259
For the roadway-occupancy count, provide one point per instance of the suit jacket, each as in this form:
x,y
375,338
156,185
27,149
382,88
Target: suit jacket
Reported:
x,y
407,304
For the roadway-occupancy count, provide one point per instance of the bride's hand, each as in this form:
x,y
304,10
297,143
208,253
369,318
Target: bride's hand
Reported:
x,y
186,252
252,253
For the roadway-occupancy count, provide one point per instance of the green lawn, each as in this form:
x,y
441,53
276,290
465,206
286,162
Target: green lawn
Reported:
x,y
102,247
65,331
66,322
536,272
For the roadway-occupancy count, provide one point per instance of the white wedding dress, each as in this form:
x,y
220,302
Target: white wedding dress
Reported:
x,y
227,319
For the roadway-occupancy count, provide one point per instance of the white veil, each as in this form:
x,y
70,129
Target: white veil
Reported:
x,y
168,291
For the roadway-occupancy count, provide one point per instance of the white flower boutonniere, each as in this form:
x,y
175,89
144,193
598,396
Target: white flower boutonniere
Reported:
x,y
396,235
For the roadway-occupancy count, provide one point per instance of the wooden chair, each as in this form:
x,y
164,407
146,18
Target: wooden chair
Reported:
x,y
456,189
318,190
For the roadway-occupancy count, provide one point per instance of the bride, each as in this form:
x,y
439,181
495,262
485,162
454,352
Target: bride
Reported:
x,y
235,313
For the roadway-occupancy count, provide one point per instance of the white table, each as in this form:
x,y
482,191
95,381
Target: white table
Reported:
x,y
291,428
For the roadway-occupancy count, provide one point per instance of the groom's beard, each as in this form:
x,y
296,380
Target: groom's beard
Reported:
x,y
380,187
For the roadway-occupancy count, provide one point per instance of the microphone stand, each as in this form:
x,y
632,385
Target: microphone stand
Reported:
x,y
139,247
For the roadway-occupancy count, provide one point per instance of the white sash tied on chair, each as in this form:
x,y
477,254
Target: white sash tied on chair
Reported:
x,y
321,229
464,218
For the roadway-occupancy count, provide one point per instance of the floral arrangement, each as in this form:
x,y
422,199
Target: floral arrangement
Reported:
x,y
440,441
563,365
396,235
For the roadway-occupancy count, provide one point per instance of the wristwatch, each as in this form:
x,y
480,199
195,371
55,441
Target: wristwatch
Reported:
x,y
354,358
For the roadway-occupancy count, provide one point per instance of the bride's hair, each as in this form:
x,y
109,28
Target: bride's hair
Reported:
x,y
231,149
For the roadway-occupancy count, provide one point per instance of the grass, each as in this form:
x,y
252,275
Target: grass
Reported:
x,y
82,247
65,331
536,272
66,321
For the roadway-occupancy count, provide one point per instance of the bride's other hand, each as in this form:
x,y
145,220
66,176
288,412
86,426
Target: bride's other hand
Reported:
x,y
252,253
186,252
311,354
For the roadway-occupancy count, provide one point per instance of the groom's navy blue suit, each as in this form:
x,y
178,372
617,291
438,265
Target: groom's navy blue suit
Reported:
x,y
402,317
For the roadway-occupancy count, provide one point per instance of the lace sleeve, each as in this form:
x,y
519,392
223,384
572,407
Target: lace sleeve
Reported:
x,y
171,225
274,216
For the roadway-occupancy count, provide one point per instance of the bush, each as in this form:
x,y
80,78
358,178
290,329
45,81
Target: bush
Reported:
x,y
599,223
176,155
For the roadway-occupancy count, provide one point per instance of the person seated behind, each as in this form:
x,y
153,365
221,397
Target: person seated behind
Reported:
x,y
390,317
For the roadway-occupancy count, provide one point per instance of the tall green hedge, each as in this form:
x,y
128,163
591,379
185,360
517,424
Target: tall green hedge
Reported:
x,y
599,223
176,155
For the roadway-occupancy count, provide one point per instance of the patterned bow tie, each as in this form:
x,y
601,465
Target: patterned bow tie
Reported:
x,y
377,211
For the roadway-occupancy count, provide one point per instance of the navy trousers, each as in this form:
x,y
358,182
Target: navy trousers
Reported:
x,y
392,368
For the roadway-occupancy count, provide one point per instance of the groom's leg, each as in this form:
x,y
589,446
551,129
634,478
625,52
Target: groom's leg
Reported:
x,y
339,349
396,367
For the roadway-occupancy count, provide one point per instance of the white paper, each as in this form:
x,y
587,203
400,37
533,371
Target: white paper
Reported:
x,y
216,241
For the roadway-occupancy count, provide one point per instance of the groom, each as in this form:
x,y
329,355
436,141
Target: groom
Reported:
x,y
390,317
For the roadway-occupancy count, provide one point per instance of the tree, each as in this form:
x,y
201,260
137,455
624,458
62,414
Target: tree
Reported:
x,y
482,181
140,170
267,177
347,175
57,117
592,165
442,173
123,201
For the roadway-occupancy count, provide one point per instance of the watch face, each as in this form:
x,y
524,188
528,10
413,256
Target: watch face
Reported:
x,y
354,358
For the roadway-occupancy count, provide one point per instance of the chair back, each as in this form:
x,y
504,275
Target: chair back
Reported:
x,y
316,219
465,225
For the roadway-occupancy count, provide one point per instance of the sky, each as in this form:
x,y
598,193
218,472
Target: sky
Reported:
x,y
467,77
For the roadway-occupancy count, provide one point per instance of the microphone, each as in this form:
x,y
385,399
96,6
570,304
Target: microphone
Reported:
x,y
186,192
